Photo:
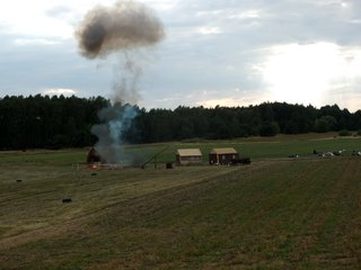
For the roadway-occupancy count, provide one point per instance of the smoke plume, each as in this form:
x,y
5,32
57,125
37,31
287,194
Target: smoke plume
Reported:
x,y
121,29
127,25
117,119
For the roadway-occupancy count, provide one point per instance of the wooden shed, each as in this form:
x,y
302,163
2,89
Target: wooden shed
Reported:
x,y
223,156
189,156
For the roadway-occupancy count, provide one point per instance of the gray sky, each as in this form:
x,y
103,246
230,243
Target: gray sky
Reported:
x,y
224,52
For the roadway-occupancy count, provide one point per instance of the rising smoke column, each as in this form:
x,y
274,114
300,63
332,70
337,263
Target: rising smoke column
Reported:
x,y
123,28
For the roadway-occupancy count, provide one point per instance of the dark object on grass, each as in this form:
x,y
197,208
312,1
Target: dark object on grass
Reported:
x,y
315,152
339,152
94,174
19,180
294,156
169,165
93,156
67,200
241,161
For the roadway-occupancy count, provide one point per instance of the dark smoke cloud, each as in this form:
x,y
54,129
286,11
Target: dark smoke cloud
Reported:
x,y
126,25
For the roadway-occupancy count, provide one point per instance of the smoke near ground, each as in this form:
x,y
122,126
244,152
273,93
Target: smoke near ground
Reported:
x,y
127,25
122,29
117,119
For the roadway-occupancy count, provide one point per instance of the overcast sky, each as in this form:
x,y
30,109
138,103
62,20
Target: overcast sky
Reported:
x,y
226,52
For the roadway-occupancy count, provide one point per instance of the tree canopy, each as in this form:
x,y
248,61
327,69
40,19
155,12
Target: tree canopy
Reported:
x,y
58,121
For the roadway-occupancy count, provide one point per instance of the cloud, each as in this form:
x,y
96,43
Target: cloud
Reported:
x,y
59,91
210,97
204,13
35,42
225,102
312,73
58,11
209,30
162,5
249,14
235,97
230,13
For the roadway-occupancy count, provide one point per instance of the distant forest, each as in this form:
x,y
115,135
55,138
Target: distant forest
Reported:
x,y
59,122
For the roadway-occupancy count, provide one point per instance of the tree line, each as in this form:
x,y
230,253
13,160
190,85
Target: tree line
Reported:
x,y
58,121
47,122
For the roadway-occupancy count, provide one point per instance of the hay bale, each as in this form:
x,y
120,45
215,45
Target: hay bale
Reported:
x,y
169,165
67,200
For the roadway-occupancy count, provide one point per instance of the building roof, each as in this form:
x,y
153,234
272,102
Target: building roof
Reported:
x,y
222,151
189,152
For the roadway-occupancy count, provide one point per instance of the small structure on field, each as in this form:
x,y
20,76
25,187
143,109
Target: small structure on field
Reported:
x,y
189,156
93,156
223,156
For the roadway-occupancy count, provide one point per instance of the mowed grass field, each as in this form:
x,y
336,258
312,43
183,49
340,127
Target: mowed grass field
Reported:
x,y
277,213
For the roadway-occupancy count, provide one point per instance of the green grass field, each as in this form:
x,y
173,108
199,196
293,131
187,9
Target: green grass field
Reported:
x,y
260,148
277,213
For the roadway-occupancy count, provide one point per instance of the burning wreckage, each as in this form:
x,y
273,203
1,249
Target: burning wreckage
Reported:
x,y
95,161
93,156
